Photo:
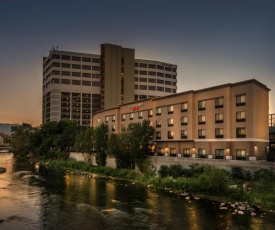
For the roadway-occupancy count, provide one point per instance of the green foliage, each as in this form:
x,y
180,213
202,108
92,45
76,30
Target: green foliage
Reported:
x,y
214,180
100,140
176,171
164,171
20,139
264,175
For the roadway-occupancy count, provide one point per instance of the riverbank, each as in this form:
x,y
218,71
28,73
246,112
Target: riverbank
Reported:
x,y
213,184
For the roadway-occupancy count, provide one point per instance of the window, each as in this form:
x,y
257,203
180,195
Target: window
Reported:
x,y
160,81
184,120
186,152
65,73
201,105
142,79
158,123
168,75
114,118
158,111
96,68
65,65
98,120
76,74
84,59
123,127
201,133
241,132
65,57
75,66
96,83
184,107
151,87
74,58
76,82
173,151
131,116
142,72
55,56
160,74
150,113
219,102
183,134
152,66
219,133
87,83
140,114
106,119
240,116
219,153
219,118
161,89
95,60
158,135
170,109
170,121
240,154
88,75
240,100
143,87
123,117
170,135
151,73
160,67
143,65
168,90
202,153
87,67
151,80
65,81
201,119
113,127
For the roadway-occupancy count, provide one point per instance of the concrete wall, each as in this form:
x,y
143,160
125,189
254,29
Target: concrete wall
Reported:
x,y
157,161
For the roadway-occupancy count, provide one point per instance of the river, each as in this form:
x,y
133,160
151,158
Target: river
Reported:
x,y
30,199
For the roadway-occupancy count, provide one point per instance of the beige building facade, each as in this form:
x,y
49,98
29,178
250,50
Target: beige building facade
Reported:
x,y
75,85
223,122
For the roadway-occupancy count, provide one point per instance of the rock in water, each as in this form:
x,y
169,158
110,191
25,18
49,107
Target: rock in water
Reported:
x,y
2,170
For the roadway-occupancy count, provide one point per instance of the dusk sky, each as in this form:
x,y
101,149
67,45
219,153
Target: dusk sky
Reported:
x,y
212,42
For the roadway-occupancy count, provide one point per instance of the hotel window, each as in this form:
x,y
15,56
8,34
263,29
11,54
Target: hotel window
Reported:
x,y
106,119
201,133
173,151
65,57
87,83
241,132
123,117
240,116
186,152
150,113
65,65
160,81
140,114
158,135
160,74
65,81
158,123
113,117
76,82
168,83
152,66
219,133
161,89
152,88
170,135
75,66
183,134
143,79
151,123
201,119
169,90
170,121
88,75
160,67
184,120
219,153
143,87
84,59
131,116
202,153
143,65
219,118
113,127
201,105
240,100
151,80
123,127
98,120
76,74
240,154
184,107
74,58
141,72
158,111
219,102
65,73
151,73
170,109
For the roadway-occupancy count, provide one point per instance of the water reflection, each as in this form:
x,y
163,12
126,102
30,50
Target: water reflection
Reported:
x,y
46,200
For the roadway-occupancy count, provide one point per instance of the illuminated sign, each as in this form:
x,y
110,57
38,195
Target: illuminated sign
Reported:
x,y
135,107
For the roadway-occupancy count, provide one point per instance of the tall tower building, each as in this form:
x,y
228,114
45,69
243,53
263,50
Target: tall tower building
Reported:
x,y
76,85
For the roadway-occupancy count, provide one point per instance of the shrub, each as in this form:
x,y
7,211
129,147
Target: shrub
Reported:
x,y
164,171
264,175
176,171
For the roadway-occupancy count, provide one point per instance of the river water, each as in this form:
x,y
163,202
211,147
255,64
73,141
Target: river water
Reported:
x,y
46,200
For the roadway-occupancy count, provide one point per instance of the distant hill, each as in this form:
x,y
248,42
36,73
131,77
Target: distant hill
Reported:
x,y
6,128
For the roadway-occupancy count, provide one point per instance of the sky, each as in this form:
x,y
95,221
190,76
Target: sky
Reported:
x,y
212,42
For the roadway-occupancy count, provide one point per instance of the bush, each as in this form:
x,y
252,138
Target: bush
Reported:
x,y
176,171
264,175
164,171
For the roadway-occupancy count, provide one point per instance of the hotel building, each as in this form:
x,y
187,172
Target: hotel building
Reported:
x,y
75,85
223,122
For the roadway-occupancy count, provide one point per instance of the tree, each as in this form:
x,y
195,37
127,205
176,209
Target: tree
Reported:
x,y
20,139
100,140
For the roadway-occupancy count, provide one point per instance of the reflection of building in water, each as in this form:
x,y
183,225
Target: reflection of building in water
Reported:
x,y
223,122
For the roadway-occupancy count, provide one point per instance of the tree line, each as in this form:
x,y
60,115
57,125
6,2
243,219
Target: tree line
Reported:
x,y
55,140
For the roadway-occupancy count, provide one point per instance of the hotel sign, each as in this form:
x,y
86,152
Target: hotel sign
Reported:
x,y
135,107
